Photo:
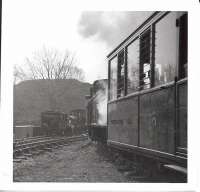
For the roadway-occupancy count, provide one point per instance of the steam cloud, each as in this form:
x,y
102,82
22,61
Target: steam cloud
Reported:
x,y
110,27
102,110
102,104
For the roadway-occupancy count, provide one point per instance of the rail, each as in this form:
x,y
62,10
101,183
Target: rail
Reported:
x,y
28,140
18,149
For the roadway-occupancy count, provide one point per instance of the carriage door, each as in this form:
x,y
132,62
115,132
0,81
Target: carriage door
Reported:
x,y
181,87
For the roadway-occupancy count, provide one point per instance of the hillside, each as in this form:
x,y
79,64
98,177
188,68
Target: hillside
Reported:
x,y
34,96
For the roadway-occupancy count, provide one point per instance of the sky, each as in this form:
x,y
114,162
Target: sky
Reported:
x,y
31,25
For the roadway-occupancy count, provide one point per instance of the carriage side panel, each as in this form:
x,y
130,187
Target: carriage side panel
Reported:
x,y
157,120
123,121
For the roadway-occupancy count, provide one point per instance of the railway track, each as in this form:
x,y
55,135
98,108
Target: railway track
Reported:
x,y
28,140
34,146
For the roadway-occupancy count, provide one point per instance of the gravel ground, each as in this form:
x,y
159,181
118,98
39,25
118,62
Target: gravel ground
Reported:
x,y
81,161
85,161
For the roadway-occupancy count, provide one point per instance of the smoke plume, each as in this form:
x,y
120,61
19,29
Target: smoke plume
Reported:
x,y
110,27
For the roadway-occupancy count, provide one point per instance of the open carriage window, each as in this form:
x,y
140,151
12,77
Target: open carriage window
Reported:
x,y
113,79
120,75
145,56
133,66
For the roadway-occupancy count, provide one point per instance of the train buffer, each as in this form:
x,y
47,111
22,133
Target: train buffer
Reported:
x,y
176,168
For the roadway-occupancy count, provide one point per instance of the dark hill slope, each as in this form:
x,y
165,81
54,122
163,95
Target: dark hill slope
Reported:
x,y
34,96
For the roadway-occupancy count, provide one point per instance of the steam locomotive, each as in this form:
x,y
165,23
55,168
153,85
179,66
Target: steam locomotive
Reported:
x,y
97,111
147,92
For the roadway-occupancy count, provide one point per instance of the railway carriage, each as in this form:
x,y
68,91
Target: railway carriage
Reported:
x,y
147,89
54,122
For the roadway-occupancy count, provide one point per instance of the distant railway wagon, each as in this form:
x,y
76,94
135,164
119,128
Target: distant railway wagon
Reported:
x,y
77,119
97,111
147,91
23,131
54,123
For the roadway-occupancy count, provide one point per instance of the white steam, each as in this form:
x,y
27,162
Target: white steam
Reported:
x,y
102,104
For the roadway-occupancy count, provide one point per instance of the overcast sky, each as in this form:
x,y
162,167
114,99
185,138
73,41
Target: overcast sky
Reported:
x,y
28,26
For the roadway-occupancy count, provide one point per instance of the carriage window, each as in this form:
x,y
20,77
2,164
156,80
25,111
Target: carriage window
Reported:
x,y
113,79
133,66
165,49
145,69
121,67
183,46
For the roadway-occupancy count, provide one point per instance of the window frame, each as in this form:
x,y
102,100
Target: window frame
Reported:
x,y
119,72
181,73
109,77
141,67
126,65
177,47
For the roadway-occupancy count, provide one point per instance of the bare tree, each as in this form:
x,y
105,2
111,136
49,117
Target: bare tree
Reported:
x,y
19,74
51,66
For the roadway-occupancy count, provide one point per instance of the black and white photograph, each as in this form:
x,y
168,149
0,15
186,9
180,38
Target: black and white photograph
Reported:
x,y
70,126
95,96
